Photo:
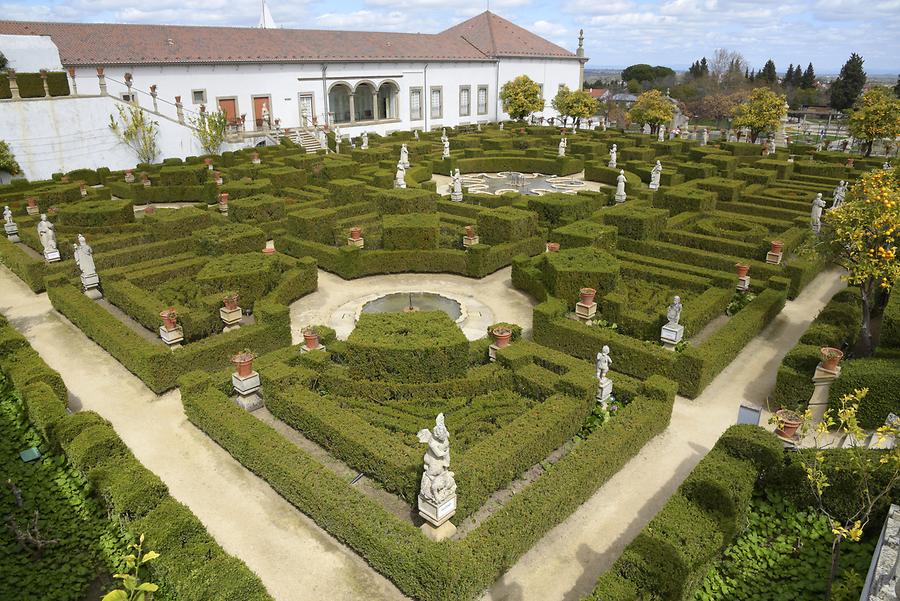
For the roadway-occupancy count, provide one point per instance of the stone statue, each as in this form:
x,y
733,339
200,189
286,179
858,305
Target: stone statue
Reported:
x,y
603,124
456,186
478,126
705,137
655,174
646,130
7,215
404,156
438,484
562,146
838,195
816,214
445,154
266,115
673,314
613,152
771,145
604,361
416,134
661,134
84,256
443,133
620,186
501,126
886,166
400,179
365,141
47,234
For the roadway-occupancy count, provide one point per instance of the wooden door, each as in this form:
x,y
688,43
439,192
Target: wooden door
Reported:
x,y
229,107
306,110
258,103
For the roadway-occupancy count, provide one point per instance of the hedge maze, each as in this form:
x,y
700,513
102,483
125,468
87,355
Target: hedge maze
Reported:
x,y
363,399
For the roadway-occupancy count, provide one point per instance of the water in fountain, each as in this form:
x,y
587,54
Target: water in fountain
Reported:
x,y
414,301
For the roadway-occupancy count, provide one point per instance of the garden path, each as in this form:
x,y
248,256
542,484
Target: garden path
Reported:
x,y
296,560
565,563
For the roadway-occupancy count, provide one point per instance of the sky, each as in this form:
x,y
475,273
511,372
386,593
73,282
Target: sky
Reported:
x,y
617,32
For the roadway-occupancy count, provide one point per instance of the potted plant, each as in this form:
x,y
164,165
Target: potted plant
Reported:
x,y
223,199
243,361
470,231
552,247
170,318
32,201
149,210
742,269
231,300
310,338
501,335
587,295
786,422
777,246
831,357
355,233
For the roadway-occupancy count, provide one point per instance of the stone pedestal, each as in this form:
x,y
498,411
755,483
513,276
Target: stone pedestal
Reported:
x,y
357,242
654,186
470,241
247,390
585,312
456,196
620,198
306,349
90,283
51,256
743,284
443,532
773,258
437,515
32,210
12,231
818,402
604,390
671,335
172,337
492,352
231,318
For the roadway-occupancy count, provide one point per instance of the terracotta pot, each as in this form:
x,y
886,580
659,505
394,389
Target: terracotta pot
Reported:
x,y
831,357
501,336
742,270
269,250
149,210
587,295
223,198
208,162
244,364
553,247
470,231
178,100
231,301
311,340
789,422
355,233
777,246
170,318
32,201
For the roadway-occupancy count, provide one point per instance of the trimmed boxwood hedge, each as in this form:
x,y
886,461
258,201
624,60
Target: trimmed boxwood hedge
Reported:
x,y
410,231
881,376
90,213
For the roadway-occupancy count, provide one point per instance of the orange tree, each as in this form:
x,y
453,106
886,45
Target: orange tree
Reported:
x,y
865,231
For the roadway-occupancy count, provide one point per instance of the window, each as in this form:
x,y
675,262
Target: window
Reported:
x,y
131,98
482,100
437,104
198,96
415,104
465,101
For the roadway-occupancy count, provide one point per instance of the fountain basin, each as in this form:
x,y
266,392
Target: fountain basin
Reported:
x,y
417,301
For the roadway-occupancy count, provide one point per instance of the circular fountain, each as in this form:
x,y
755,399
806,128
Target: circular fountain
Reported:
x,y
414,301
534,184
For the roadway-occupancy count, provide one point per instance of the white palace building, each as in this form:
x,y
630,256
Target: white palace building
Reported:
x,y
264,79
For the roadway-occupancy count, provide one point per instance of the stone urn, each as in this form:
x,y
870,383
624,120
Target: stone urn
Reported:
x,y
587,295
788,422
831,357
742,270
243,362
311,338
149,210
231,301
777,246
223,199
32,201
208,163
470,231
170,318
355,233
552,247
83,189
502,336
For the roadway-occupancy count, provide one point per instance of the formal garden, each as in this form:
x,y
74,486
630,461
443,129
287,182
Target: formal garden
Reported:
x,y
186,271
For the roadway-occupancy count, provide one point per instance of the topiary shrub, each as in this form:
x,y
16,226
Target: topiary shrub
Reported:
x,y
92,213
638,222
230,238
410,200
260,207
506,224
412,231
567,271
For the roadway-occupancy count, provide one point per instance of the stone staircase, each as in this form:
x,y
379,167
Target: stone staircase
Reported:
x,y
307,139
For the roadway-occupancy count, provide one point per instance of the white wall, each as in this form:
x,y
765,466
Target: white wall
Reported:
x,y
550,72
30,53
66,133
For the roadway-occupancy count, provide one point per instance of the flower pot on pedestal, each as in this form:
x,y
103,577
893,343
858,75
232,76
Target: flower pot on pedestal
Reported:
x,y
502,336
787,422
831,357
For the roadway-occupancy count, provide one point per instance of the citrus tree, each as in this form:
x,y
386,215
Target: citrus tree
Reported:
x,y
875,115
577,104
138,131
651,108
209,129
521,97
762,112
865,231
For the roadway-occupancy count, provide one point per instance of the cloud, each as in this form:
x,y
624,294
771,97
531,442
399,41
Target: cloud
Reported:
x,y
364,19
546,28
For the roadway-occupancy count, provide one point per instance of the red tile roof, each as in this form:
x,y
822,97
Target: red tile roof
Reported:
x,y
483,37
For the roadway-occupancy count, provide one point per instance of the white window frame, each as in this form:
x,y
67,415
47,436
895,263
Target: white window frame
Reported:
x,y
412,115
487,100
194,97
468,105
439,114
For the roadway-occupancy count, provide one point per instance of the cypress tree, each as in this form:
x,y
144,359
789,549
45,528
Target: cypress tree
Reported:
x,y
849,83
897,87
704,67
808,80
789,76
768,73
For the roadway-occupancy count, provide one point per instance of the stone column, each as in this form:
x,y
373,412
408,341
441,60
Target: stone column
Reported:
x,y
128,83
44,82
179,109
352,108
102,78
153,95
74,83
13,84
818,402
375,106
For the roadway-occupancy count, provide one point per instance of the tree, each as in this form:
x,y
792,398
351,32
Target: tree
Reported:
x,y
875,474
865,231
652,108
789,76
521,97
8,159
133,586
897,88
875,115
727,68
3,61
643,72
849,83
808,79
578,104
762,112
768,74
137,131
209,129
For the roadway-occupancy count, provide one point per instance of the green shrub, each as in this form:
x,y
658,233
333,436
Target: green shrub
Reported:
x,y
402,201
685,198
881,377
169,224
569,270
229,238
259,207
506,224
183,175
635,221
90,213
585,233
410,231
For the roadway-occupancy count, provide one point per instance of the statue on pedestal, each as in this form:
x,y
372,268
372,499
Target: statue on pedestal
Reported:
x,y
661,133
673,313
456,193
655,174
7,216
705,137
47,234
437,492
613,153
838,195
562,146
400,178
816,214
404,156
604,362
620,186
445,154
365,141
84,256
416,134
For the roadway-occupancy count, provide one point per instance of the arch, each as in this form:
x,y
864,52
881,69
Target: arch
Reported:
x,y
364,101
339,102
388,100
363,82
